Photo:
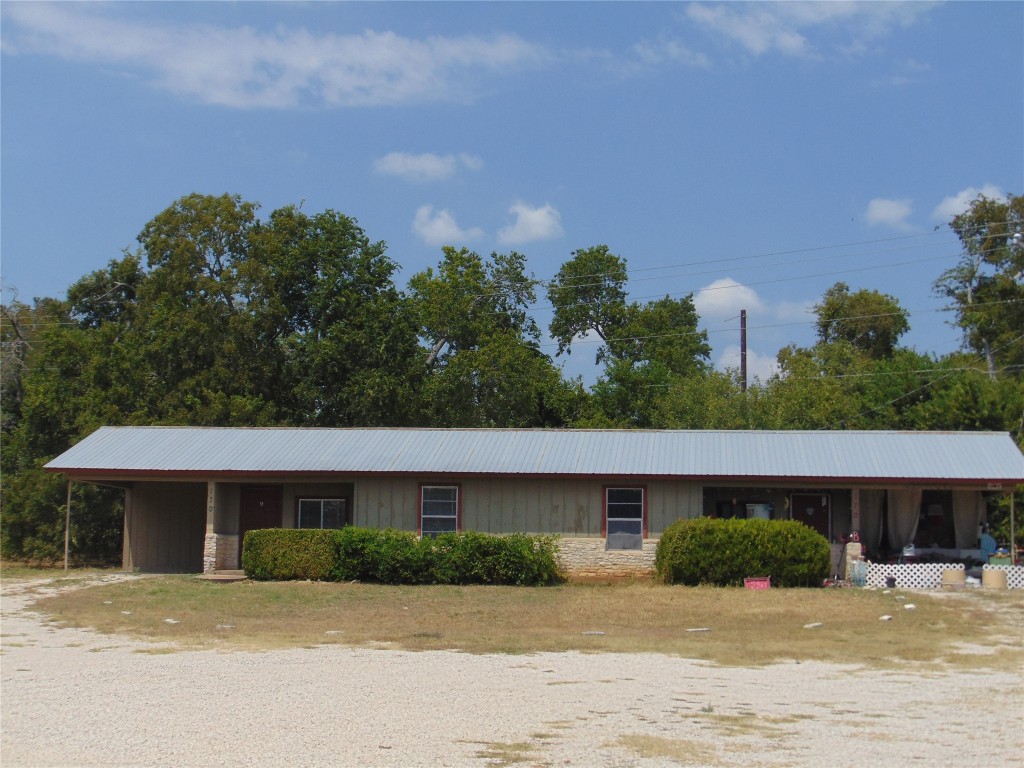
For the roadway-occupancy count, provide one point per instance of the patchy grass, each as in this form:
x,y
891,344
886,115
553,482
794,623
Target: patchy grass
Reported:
x,y
12,572
681,751
503,754
747,724
43,576
744,627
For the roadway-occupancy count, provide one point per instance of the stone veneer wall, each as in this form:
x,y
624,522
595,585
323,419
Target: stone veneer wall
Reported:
x,y
210,553
227,552
588,558
220,552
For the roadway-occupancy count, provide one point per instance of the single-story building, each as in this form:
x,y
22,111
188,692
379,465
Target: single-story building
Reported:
x,y
191,493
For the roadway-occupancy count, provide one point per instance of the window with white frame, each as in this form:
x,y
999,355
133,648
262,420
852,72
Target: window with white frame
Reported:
x,y
439,509
624,518
322,513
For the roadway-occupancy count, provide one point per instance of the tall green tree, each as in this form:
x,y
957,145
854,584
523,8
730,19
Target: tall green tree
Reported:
x,y
466,297
646,347
218,319
63,398
321,299
195,333
21,330
481,355
871,321
986,286
589,296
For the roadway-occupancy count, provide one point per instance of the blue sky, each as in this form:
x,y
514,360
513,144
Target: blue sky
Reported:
x,y
752,154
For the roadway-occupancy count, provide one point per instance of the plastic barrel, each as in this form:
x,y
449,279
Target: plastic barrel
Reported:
x,y
953,577
993,578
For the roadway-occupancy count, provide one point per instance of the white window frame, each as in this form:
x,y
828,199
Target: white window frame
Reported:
x,y
609,517
321,500
455,516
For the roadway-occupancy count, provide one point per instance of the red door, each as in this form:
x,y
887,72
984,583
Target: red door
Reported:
x,y
259,507
814,510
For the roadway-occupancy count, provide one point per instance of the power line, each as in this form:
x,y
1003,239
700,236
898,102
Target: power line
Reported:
x,y
766,254
921,388
733,286
789,252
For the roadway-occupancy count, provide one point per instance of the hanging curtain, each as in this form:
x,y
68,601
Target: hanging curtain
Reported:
x,y
871,519
968,512
904,514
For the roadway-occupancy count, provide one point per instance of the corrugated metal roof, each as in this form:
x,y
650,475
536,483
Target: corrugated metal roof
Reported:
x,y
953,456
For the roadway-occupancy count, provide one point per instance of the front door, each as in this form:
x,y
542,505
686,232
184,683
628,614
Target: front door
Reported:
x,y
259,507
814,510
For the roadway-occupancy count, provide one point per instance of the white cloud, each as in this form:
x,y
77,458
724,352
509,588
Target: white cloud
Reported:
x,y
723,299
956,204
425,167
758,366
907,73
440,228
543,223
784,28
247,68
889,213
758,29
652,53
794,311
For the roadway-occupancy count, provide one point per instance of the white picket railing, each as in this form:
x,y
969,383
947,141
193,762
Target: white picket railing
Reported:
x,y
929,575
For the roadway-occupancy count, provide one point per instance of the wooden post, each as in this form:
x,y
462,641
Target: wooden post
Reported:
x,y
743,350
1013,532
855,511
67,528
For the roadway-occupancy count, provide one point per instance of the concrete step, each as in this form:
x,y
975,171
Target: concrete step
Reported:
x,y
223,576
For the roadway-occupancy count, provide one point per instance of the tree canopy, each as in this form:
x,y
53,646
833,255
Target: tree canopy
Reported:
x,y
872,322
987,285
223,317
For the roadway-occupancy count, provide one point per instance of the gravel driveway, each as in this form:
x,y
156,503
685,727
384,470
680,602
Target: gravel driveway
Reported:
x,y
76,698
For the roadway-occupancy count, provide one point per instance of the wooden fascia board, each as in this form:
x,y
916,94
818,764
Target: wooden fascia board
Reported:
x,y
125,475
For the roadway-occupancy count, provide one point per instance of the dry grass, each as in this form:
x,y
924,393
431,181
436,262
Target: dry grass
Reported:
x,y
681,751
16,572
744,627
504,754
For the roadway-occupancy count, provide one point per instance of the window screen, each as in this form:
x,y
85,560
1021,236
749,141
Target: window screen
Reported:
x,y
322,513
439,509
624,524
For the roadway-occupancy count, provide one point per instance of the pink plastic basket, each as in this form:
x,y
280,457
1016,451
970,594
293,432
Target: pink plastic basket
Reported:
x,y
758,582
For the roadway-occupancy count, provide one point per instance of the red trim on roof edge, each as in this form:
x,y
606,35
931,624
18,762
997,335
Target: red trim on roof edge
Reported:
x,y
202,476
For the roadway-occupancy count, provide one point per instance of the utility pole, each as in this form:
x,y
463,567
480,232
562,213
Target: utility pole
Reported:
x,y
743,350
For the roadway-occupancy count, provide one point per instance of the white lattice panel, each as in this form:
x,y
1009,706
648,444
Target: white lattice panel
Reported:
x,y
911,575
1014,574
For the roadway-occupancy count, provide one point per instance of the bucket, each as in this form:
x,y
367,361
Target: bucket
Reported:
x,y
952,577
859,573
993,578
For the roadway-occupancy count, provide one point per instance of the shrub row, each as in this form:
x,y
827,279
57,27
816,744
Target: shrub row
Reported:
x,y
724,552
399,557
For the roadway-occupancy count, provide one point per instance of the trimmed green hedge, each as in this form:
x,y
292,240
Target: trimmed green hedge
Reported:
x,y
725,552
277,554
399,557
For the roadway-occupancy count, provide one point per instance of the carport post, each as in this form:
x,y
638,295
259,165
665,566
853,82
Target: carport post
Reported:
x,y
67,528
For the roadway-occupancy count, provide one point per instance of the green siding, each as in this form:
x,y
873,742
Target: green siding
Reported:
x,y
166,524
564,506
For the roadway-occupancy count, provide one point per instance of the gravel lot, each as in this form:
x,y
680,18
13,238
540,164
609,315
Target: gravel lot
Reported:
x,y
76,698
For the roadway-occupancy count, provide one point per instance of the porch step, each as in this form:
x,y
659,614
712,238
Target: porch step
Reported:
x,y
223,576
